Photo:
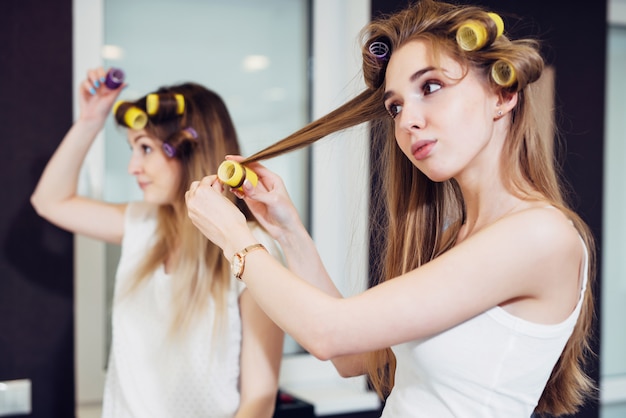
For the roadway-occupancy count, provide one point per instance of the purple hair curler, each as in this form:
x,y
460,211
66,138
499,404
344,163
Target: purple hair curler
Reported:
x,y
169,150
191,132
380,50
114,78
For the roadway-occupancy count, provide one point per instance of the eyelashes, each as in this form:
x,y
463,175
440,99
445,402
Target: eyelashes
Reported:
x,y
431,86
393,110
428,87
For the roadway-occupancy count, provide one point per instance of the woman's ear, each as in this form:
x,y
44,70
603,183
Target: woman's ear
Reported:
x,y
506,102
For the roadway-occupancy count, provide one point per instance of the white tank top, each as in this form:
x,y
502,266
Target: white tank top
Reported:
x,y
494,365
149,374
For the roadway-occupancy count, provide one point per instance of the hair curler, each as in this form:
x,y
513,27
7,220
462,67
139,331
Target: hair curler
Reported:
x,y
152,103
169,150
499,23
134,117
380,50
503,73
114,78
473,35
234,174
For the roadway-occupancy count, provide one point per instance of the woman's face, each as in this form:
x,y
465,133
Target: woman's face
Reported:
x,y
443,119
157,175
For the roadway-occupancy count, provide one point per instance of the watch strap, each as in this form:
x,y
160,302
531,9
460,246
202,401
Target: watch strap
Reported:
x,y
241,255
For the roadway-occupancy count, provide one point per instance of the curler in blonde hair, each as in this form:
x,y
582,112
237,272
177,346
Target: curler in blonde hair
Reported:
x,y
503,73
473,34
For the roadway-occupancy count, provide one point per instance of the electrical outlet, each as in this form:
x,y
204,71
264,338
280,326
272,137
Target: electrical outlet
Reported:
x,y
15,397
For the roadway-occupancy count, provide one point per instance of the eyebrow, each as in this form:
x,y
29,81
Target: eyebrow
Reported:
x,y
135,139
413,77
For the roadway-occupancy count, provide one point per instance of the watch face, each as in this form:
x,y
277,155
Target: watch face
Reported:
x,y
236,265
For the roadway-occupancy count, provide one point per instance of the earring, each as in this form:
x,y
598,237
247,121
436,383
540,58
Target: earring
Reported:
x,y
499,113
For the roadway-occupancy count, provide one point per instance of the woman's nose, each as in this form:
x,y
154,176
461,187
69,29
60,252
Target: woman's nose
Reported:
x,y
412,117
134,165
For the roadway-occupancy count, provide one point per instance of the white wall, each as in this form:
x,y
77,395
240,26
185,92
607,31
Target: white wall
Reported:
x,y
340,174
616,12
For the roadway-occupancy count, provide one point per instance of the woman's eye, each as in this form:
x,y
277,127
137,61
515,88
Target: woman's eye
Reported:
x,y
146,149
430,87
394,109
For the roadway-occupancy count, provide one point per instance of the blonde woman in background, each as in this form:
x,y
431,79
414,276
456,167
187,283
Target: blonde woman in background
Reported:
x,y
188,339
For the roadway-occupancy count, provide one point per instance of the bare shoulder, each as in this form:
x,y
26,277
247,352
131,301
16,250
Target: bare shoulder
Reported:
x,y
542,228
537,241
549,256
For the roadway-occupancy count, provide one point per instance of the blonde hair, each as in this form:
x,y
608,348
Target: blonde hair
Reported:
x,y
421,218
200,136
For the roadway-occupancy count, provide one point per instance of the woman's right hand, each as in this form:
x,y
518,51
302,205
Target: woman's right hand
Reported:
x,y
270,203
95,98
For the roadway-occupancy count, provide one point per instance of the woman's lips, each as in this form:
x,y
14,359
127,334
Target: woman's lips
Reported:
x,y
421,149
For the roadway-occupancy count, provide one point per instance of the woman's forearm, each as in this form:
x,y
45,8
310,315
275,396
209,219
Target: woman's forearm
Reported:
x,y
59,180
257,408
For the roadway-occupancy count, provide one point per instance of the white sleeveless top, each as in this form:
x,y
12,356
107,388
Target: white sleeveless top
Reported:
x,y
494,365
151,375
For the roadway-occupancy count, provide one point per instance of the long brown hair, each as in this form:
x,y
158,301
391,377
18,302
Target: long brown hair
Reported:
x,y
200,134
416,211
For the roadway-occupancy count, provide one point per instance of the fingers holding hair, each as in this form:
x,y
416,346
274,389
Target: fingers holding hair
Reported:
x,y
206,182
269,201
211,212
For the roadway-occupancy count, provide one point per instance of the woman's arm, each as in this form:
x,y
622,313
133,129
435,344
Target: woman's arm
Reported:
x,y
527,262
261,355
55,196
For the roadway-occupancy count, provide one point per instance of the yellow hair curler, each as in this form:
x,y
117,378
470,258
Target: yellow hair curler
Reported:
x,y
499,23
234,174
180,100
134,117
152,103
503,73
473,35
116,106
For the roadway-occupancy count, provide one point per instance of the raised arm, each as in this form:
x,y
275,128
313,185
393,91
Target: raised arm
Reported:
x,y
55,197
536,277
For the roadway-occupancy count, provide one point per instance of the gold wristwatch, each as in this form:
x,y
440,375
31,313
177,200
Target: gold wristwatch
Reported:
x,y
239,259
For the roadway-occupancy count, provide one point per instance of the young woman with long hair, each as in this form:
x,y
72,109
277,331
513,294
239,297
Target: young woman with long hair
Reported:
x,y
484,305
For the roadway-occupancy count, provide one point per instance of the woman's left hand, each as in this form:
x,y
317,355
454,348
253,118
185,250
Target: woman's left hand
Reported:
x,y
216,216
